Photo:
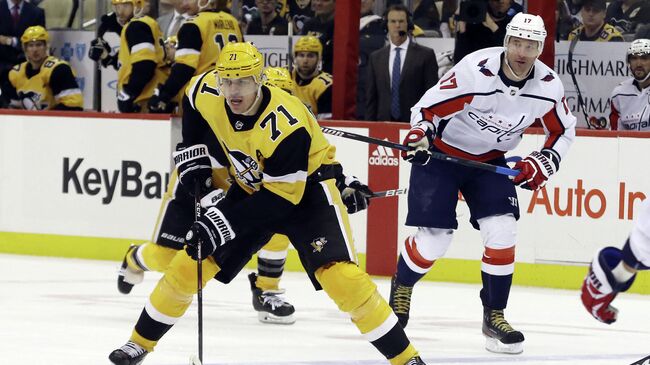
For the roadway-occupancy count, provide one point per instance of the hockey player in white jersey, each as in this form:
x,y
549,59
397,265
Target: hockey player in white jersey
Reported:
x,y
613,270
479,110
630,100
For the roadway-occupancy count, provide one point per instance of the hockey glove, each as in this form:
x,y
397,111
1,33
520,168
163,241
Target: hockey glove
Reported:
x,y
419,140
99,50
600,287
193,165
355,195
160,102
28,100
126,104
536,168
209,232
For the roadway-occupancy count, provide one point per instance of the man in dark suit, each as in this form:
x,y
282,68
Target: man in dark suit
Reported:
x,y
15,17
400,73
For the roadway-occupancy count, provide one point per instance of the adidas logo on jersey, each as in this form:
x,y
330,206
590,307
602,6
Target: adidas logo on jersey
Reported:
x,y
383,156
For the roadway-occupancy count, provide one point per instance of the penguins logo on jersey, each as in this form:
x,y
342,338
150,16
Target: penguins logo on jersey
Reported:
x,y
318,244
247,170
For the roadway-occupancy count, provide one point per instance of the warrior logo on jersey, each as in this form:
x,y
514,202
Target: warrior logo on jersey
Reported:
x,y
318,244
247,170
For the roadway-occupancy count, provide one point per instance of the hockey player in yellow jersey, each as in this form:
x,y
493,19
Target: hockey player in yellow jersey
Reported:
x,y
313,86
177,213
200,40
284,182
140,58
43,81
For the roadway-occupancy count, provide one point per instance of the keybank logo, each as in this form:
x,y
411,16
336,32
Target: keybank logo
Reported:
x,y
383,156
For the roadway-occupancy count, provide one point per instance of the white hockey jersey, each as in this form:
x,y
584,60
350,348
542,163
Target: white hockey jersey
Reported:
x,y
630,107
478,117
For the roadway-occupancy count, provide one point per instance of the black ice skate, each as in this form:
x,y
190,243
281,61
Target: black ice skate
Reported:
x,y
400,300
128,276
499,334
270,306
129,354
415,361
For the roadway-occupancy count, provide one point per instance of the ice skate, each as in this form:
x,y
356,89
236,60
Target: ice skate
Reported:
x,y
400,300
499,334
270,306
128,276
129,354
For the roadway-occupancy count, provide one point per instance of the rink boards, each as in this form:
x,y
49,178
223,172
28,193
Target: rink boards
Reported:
x,y
87,184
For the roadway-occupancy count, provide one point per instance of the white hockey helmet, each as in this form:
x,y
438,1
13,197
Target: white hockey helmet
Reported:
x,y
639,47
526,26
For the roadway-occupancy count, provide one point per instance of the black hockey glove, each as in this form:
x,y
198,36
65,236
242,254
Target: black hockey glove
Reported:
x,y
355,194
99,50
160,101
193,164
209,232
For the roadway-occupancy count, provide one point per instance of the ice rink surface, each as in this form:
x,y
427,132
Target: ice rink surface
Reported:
x,y
69,312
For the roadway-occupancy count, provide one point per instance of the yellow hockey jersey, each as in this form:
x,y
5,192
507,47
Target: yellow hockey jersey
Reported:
x,y
608,33
310,91
214,29
278,148
148,45
53,84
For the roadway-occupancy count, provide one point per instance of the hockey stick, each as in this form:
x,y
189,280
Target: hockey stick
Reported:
x,y
389,193
581,102
437,155
199,277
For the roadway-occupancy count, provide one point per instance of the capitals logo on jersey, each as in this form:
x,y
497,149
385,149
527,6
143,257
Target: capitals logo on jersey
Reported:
x,y
247,170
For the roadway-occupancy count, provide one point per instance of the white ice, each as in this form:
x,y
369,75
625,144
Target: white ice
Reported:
x,y
69,312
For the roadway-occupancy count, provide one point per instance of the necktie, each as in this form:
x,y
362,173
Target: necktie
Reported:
x,y
15,14
178,20
394,89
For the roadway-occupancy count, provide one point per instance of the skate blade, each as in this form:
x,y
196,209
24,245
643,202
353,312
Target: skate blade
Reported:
x,y
194,360
269,318
494,345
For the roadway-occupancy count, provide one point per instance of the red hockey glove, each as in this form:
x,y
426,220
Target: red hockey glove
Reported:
x,y
597,302
536,168
419,139
600,287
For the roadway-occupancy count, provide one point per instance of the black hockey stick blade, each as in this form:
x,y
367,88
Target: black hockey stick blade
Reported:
x,y
437,155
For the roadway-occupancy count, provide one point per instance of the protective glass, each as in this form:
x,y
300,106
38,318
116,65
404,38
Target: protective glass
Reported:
x,y
238,87
523,47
